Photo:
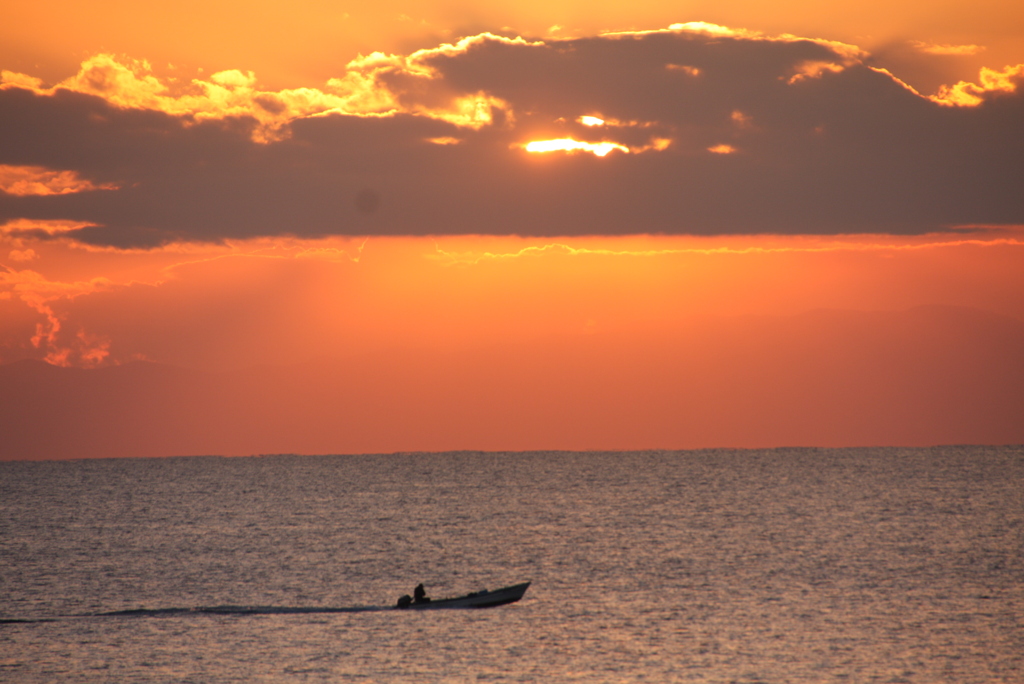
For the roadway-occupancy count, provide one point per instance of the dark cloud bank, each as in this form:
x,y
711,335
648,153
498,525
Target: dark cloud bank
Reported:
x,y
841,152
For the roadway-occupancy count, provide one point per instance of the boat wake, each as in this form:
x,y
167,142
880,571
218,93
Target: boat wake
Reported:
x,y
204,610
477,599
236,610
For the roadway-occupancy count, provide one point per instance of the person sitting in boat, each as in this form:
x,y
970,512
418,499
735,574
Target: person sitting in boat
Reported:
x,y
420,594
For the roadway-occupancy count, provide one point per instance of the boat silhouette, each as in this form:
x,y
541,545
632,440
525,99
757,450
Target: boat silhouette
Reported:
x,y
476,599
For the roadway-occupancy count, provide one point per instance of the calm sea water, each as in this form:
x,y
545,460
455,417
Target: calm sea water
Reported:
x,y
789,565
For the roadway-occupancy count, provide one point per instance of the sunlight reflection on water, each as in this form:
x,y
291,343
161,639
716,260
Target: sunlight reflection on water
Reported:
x,y
798,565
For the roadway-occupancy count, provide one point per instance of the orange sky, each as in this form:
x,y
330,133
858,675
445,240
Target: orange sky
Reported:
x,y
792,248
308,42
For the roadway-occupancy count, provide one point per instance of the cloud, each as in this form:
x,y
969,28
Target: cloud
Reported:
x,y
827,144
38,293
227,94
36,180
966,94
375,85
26,228
22,255
957,50
846,244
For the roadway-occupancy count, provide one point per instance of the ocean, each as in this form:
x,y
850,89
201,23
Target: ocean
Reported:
x,y
781,565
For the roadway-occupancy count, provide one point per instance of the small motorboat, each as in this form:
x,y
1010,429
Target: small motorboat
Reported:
x,y
477,599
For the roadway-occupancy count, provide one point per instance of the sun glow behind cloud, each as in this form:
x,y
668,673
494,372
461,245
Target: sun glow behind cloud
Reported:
x,y
446,140
599,149
159,227
381,84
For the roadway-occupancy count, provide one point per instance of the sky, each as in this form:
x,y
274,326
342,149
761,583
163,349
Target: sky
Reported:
x,y
243,229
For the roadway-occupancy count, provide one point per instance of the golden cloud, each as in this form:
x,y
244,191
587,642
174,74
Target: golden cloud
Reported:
x,y
363,91
851,54
39,294
686,69
812,245
377,84
31,227
381,84
37,180
814,69
957,50
413,131
967,94
389,83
